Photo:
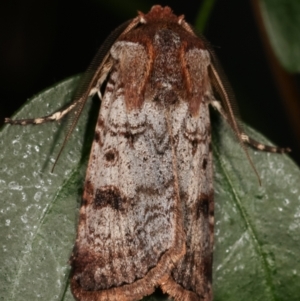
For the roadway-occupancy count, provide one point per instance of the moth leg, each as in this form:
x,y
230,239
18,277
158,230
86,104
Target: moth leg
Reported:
x,y
53,117
248,140
97,91
56,115
263,147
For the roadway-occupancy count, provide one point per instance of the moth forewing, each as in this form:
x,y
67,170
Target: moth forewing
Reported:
x,y
147,212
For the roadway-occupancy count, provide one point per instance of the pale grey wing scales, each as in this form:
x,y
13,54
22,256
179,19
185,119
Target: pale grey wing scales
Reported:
x,y
191,278
193,272
129,215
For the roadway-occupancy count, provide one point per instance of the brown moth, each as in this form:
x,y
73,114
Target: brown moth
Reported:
x,y
147,212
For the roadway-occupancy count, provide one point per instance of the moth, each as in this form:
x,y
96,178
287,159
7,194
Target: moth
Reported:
x,y
147,211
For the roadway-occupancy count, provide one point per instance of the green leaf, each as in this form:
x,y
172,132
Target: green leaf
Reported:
x,y
257,227
282,22
39,208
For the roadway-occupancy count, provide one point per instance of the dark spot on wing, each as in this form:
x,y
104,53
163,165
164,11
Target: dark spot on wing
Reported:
x,y
207,267
97,137
130,138
204,163
202,205
110,197
111,156
194,146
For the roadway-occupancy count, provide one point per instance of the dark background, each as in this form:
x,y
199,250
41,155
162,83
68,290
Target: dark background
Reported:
x,y
43,42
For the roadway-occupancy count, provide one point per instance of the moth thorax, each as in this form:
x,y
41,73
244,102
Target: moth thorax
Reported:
x,y
166,77
166,97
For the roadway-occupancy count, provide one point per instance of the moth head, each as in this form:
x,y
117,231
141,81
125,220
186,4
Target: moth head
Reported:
x,y
157,13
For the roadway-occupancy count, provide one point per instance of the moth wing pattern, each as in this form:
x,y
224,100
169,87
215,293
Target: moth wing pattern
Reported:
x,y
191,279
130,231
149,174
